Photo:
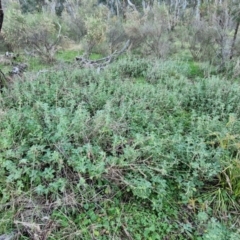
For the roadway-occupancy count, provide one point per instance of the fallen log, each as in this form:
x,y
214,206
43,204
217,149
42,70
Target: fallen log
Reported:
x,y
102,62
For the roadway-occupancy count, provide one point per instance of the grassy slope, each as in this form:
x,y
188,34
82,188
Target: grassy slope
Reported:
x,y
140,151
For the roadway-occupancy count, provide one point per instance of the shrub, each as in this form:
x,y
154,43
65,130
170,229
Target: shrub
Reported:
x,y
38,33
73,25
131,67
162,71
115,34
149,33
213,97
96,28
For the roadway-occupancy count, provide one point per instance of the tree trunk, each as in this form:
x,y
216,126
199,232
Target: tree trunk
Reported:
x,y
1,15
197,11
234,39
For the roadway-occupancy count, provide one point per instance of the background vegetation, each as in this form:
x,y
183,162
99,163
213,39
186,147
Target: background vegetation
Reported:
x,y
147,148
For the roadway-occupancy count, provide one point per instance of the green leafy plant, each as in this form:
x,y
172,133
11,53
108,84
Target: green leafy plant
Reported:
x,y
108,147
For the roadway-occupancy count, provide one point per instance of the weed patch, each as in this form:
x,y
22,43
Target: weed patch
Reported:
x,y
115,156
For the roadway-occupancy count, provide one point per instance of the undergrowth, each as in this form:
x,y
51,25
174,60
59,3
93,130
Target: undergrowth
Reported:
x,y
103,156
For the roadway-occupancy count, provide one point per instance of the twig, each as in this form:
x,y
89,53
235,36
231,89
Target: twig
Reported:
x,y
126,233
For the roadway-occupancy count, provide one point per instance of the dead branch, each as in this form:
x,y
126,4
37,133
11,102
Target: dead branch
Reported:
x,y
103,62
